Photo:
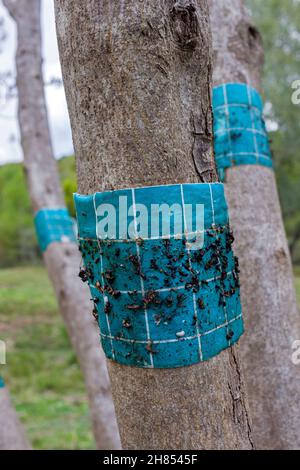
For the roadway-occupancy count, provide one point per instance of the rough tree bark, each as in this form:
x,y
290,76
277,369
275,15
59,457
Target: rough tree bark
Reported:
x,y
137,77
268,294
62,259
12,436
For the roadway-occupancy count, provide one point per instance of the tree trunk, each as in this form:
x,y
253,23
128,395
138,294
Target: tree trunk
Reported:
x,y
62,259
12,435
137,77
268,295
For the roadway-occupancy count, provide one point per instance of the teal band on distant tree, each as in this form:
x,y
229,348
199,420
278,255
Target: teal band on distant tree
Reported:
x,y
2,384
54,225
161,302
240,136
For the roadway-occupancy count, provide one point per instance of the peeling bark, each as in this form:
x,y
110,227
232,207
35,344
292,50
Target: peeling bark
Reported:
x,y
137,77
62,260
267,289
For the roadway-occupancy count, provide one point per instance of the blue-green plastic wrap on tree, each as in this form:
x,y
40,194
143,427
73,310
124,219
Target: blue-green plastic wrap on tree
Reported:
x,y
240,136
161,301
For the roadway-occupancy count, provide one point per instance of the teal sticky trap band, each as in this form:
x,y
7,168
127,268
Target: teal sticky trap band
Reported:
x,y
54,225
159,302
240,136
2,384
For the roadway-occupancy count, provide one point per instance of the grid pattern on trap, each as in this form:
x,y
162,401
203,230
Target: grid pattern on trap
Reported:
x,y
54,225
240,136
160,303
2,384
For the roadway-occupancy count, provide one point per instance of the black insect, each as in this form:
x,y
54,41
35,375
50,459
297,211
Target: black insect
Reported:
x,y
133,307
84,275
198,255
95,313
116,294
149,347
136,264
151,297
182,273
107,307
99,287
212,262
169,301
180,299
109,275
193,284
153,264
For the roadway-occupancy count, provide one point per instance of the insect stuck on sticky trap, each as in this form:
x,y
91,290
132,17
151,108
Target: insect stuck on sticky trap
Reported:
x,y
107,307
99,287
153,264
113,292
109,275
134,307
126,323
169,301
180,299
229,335
149,347
140,241
95,314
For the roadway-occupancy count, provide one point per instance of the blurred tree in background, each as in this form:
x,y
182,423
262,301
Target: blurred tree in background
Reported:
x,y
17,238
279,24
18,243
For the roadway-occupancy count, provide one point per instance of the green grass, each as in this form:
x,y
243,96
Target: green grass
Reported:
x,y
41,372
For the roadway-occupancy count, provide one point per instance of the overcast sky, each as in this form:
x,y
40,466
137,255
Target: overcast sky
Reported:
x,y
10,150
